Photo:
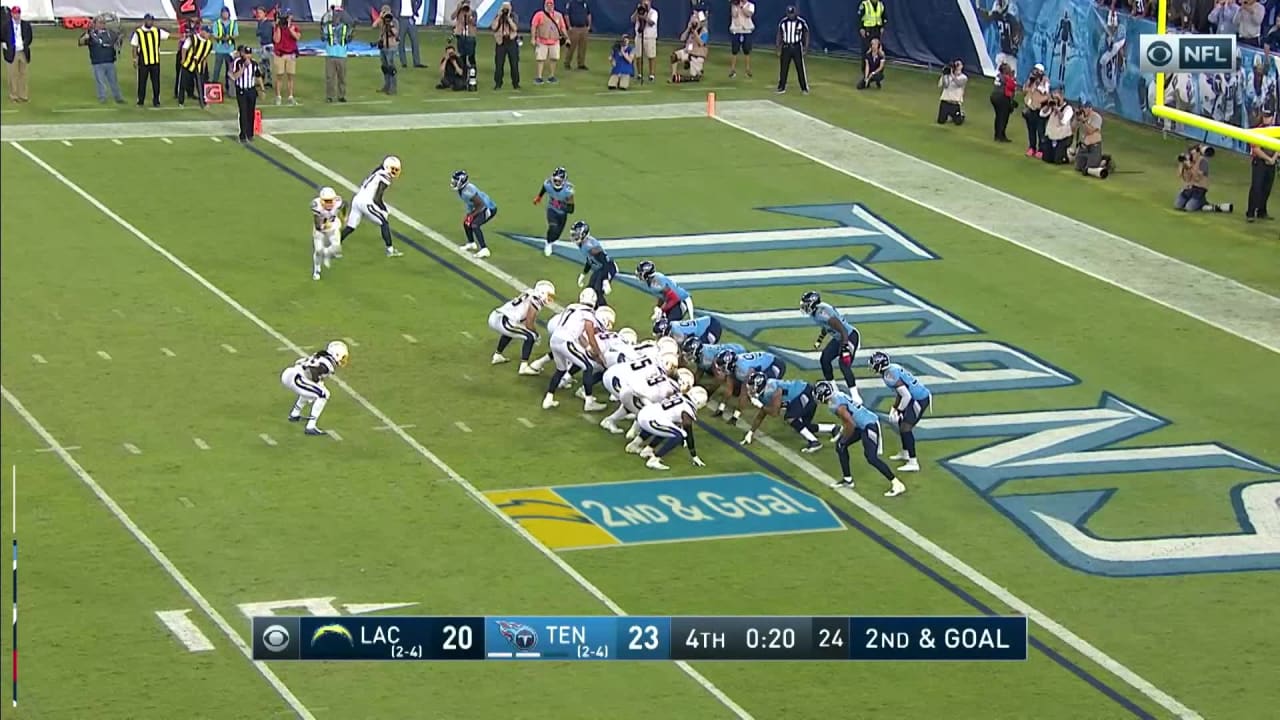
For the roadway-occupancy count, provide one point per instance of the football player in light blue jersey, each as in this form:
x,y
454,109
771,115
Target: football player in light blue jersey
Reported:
x,y
701,356
674,302
844,336
559,206
705,328
480,210
910,401
734,368
858,423
793,399
598,271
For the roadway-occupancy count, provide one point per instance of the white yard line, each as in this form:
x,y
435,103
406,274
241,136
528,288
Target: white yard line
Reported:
x,y
902,529
369,407
143,539
1195,292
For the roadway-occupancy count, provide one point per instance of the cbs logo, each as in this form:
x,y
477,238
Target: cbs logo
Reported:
x,y
1160,54
275,638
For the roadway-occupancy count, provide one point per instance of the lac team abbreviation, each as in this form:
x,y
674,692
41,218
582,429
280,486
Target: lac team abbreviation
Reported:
x,y
537,637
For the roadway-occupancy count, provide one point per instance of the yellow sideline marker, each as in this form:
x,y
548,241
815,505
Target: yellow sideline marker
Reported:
x,y
1266,137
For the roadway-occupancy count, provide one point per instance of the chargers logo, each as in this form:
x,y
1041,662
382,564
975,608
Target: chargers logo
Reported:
x,y
518,635
334,629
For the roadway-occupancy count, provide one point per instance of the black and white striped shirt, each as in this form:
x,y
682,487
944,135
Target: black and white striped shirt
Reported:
x,y
793,30
248,80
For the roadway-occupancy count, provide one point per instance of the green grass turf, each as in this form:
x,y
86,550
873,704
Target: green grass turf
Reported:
x,y
1135,203
367,520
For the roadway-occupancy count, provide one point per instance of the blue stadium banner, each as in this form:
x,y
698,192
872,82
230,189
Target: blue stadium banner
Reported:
x,y
539,637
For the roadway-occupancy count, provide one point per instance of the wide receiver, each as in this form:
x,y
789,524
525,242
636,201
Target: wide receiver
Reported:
x,y
517,319
306,379
325,244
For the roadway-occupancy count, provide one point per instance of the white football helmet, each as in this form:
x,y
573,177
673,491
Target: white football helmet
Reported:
x,y
628,336
391,164
698,396
328,196
669,362
338,351
606,316
669,345
684,378
545,289
587,297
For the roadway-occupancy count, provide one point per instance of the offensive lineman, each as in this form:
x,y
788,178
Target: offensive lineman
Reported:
x,y
517,319
325,244
666,425
369,203
305,378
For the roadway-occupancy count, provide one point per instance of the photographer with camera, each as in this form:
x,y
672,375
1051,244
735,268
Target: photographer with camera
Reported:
x,y
506,46
1193,171
1089,158
1059,128
951,103
742,26
645,20
388,43
464,33
622,62
452,75
1034,94
693,55
284,63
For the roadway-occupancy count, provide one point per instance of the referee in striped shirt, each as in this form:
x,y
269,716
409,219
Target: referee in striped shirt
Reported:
x,y
248,79
793,38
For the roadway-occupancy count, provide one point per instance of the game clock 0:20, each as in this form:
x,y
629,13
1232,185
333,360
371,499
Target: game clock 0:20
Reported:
x,y
771,638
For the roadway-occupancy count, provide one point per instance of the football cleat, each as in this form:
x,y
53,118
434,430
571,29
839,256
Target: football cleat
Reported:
x,y
315,276
634,446
896,488
813,447
549,402
912,465
655,463
526,369
845,483
314,431
547,250
392,252
900,455
612,427
593,405
498,359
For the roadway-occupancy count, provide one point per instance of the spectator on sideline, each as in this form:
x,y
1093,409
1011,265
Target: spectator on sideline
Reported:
x,y
742,26
146,57
194,57
266,45
951,103
578,13
247,76
622,60
871,21
284,41
226,30
1223,17
1059,128
464,33
506,45
1271,41
409,10
1263,174
1002,101
548,29
1249,22
336,34
16,39
872,65
452,75
388,41
645,20
1034,93
104,47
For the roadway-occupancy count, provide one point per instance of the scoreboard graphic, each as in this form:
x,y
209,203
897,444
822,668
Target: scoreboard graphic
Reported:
x,y
976,638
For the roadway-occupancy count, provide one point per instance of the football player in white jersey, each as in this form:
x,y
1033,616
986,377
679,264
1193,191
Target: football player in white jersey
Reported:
x,y
324,229
306,379
369,203
667,425
573,345
517,319
620,361
587,301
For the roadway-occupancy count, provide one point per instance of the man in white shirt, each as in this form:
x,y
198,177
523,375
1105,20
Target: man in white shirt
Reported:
x,y
742,25
645,19
1058,130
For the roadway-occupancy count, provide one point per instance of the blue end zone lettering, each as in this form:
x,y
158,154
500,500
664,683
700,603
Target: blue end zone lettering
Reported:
x,y
700,508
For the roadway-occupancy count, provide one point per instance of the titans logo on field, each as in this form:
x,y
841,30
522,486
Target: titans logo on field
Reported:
x,y
519,636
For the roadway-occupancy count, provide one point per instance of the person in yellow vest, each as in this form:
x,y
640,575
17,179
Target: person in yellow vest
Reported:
x,y
225,31
871,21
146,57
194,56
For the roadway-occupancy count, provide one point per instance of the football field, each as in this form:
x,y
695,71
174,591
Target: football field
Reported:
x,y
1101,455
